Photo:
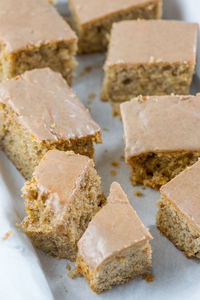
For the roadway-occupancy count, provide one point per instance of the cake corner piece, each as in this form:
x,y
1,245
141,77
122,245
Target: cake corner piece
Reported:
x,y
126,252
93,19
178,217
29,41
43,113
146,58
60,200
155,147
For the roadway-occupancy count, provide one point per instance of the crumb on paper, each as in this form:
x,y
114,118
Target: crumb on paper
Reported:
x,y
91,96
113,172
105,151
143,187
73,274
148,277
115,163
60,276
17,225
87,68
137,193
89,102
65,290
105,129
7,234
81,73
57,257
53,125
97,66
68,267
122,157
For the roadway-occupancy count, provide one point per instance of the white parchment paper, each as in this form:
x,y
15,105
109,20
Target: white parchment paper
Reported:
x,y
28,274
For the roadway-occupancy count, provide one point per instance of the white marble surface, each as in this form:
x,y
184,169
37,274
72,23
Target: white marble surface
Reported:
x,y
26,273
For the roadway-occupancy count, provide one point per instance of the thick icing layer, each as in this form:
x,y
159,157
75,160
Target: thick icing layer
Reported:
x,y
150,42
25,23
114,228
89,11
161,124
60,173
47,107
184,193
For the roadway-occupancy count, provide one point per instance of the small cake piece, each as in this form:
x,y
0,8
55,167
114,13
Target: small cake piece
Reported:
x,y
147,58
179,211
162,137
60,200
29,39
93,19
39,112
115,247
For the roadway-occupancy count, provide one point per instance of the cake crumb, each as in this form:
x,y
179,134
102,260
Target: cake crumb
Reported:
x,y
81,73
91,96
72,274
60,275
7,234
65,290
113,172
148,277
17,225
143,187
105,129
97,66
105,151
122,157
137,193
87,68
115,163
57,257
184,97
151,59
68,267
89,102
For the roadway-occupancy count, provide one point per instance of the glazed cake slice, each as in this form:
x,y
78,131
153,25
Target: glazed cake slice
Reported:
x,y
93,19
39,112
60,200
115,247
28,40
145,57
162,137
179,211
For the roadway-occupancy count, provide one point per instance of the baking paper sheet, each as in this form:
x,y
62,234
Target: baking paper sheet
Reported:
x,y
29,274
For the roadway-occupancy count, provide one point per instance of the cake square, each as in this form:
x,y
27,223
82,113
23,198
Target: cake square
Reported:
x,y
115,247
93,19
60,200
179,211
39,112
162,137
146,57
28,40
